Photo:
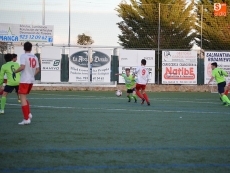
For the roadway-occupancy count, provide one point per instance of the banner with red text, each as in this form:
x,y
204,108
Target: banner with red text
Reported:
x,y
179,67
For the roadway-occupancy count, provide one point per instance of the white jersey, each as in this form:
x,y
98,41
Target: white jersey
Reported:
x,y
31,63
142,74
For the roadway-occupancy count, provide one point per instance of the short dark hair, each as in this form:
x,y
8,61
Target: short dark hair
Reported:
x,y
14,55
127,69
214,64
143,61
8,57
27,46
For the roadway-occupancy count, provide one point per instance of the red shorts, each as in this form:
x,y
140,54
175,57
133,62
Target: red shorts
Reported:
x,y
140,86
1,91
24,88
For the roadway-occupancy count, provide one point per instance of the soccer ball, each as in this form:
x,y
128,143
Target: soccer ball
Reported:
x,y
118,93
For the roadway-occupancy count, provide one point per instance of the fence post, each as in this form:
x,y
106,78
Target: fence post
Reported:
x,y
114,67
90,59
38,76
201,28
2,60
158,57
64,66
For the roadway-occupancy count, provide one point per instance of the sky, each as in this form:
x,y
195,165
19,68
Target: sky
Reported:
x,y
96,18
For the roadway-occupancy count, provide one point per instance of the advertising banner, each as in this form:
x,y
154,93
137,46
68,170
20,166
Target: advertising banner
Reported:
x,y
223,61
132,59
23,33
50,64
179,67
99,65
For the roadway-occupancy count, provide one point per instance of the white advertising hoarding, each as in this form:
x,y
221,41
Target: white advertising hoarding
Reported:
x,y
22,33
132,59
128,58
100,65
179,67
50,64
223,61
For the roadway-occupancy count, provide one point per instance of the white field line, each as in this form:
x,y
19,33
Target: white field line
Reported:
x,y
112,98
127,110
99,97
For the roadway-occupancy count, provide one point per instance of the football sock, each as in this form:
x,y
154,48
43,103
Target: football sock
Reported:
x,y
221,97
225,99
139,94
135,96
129,97
146,97
226,92
25,112
3,103
28,106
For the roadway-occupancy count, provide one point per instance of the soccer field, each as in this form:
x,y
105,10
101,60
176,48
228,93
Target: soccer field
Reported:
x,y
99,132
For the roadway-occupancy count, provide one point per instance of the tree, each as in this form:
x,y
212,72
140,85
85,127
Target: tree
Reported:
x,y
3,47
83,39
214,31
139,28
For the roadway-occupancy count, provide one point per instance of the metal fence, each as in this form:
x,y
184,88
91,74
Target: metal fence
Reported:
x,y
65,59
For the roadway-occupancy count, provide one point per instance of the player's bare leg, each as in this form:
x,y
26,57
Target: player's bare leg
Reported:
x,y
19,100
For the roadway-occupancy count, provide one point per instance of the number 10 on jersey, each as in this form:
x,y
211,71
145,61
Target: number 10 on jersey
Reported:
x,y
32,62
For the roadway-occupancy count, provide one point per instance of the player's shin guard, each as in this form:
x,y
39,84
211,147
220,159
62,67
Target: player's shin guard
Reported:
x,y
146,97
25,112
139,94
3,103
